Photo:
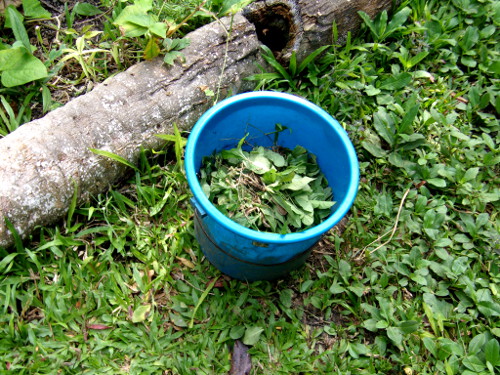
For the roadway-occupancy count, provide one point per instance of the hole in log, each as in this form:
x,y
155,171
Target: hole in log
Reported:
x,y
276,25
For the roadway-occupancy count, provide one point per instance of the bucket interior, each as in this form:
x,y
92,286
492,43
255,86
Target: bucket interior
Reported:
x,y
308,126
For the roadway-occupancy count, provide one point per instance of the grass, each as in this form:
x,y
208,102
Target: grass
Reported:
x,y
411,286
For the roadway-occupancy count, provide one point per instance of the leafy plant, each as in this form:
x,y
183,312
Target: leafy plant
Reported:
x,y
10,119
18,65
139,20
277,190
84,56
281,74
173,49
381,27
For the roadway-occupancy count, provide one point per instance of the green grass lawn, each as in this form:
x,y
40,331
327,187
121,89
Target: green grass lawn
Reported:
x,y
410,287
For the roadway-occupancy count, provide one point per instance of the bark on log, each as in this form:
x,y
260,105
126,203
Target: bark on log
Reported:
x,y
43,161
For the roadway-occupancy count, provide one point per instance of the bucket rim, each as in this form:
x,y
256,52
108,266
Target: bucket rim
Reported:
x,y
268,237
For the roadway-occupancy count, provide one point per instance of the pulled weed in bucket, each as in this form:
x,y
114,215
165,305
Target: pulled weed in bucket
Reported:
x,y
267,189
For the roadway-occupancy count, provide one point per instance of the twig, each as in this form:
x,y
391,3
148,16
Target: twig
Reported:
x,y
392,232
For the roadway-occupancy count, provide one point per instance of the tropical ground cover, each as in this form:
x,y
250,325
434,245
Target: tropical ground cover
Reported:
x,y
411,286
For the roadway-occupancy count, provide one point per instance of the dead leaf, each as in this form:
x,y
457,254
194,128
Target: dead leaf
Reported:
x,y
186,262
219,284
241,363
141,313
98,326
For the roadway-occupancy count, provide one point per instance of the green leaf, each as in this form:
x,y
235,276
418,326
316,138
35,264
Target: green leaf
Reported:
x,y
344,269
252,335
372,91
411,141
237,332
477,343
26,69
11,58
178,320
140,19
176,44
134,21
18,243
321,204
430,345
489,308
408,119
159,29
470,38
437,182
115,157
18,29
86,9
384,125
277,159
72,206
443,242
394,333
7,23
171,56
417,58
299,183
141,313
7,262
409,326
304,202
374,149
292,66
46,99
468,61
470,174
144,5
310,58
258,163
398,19
473,363
336,288
396,82
382,324
384,205
368,22
232,6
271,60
33,9
286,297
492,352
263,77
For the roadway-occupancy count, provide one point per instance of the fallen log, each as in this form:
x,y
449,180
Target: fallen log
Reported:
x,y
43,161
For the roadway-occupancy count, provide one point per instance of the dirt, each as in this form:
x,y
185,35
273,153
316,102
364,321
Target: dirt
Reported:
x,y
57,7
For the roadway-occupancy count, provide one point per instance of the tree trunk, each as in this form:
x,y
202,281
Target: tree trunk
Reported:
x,y
44,161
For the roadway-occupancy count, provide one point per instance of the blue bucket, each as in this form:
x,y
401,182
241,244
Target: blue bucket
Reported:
x,y
244,253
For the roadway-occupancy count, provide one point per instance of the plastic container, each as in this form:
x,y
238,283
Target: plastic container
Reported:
x,y
244,253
